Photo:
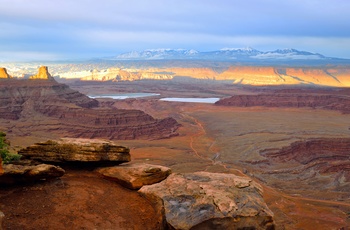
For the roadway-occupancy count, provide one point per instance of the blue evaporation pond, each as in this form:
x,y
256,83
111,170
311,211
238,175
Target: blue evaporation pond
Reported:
x,y
210,100
124,95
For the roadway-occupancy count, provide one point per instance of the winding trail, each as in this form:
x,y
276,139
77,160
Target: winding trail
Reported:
x,y
202,132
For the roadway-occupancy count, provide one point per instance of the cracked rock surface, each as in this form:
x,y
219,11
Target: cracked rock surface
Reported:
x,y
205,200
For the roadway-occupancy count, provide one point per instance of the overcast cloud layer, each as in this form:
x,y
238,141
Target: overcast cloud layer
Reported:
x,y
69,29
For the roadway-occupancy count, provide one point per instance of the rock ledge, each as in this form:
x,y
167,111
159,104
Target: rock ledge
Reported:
x,y
77,150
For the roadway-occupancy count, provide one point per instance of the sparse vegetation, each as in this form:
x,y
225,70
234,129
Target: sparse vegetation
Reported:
x,y
5,154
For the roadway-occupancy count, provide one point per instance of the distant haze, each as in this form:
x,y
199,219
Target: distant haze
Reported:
x,y
84,29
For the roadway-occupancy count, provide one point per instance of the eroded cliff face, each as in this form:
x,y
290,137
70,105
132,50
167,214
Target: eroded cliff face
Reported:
x,y
69,113
20,98
328,101
245,75
318,159
257,75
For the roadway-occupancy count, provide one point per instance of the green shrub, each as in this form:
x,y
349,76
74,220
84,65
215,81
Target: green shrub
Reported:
x,y
5,154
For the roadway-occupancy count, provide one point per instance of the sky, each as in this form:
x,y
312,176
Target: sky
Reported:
x,y
84,29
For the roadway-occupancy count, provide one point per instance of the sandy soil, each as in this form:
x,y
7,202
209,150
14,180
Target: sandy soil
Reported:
x,y
79,200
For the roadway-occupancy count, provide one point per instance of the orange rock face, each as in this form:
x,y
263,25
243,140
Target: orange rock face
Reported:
x,y
255,75
43,73
4,74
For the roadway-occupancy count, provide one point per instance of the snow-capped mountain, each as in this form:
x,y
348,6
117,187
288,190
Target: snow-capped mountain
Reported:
x,y
159,54
248,54
291,54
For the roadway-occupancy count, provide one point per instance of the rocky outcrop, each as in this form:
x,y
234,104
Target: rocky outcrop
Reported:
x,y
134,176
205,200
43,73
77,151
330,102
324,155
113,124
24,174
4,74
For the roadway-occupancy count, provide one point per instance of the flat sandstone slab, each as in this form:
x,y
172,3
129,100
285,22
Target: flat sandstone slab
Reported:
x,y
77,150
22,174
134,176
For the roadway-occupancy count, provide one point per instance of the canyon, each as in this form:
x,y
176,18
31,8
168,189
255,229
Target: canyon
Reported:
x,y
292,141
42,104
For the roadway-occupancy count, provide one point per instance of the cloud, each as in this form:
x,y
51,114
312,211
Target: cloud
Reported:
x,y
105,26
16,56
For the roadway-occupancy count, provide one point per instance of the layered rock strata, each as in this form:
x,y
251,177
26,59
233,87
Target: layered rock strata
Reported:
x,y
205,200
244,75
73,114
321,155
329,102
20,98
24,174
77,150
134,176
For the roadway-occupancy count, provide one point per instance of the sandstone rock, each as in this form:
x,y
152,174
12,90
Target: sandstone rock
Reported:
x,y
4,74
134,176
43,73
205,200
19,173
77,150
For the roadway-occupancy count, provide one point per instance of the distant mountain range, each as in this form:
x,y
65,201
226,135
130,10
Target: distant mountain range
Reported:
x,y
239,54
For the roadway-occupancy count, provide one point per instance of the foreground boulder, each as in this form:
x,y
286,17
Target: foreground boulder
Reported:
x,y
134,176
205,200
22,174
77,150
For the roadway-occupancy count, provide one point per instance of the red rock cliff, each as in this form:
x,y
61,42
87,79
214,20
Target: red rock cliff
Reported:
x,y
327,101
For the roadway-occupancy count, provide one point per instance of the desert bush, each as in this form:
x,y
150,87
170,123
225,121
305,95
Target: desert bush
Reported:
x,y
5,154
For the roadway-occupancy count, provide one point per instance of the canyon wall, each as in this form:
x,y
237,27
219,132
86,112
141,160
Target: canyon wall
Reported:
x,y
72,114
247,75
296,100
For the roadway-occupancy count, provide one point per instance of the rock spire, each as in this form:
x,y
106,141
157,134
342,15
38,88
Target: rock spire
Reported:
x,y
4,74
43,73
